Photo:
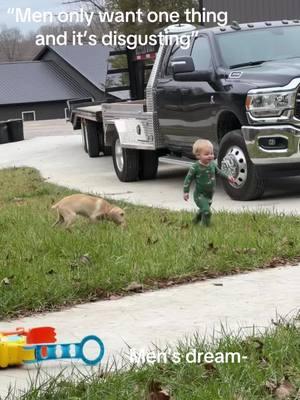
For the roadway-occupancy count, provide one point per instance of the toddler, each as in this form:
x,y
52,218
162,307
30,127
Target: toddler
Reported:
x,y
203,172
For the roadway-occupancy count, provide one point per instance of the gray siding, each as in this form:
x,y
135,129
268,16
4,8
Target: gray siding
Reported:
x,y
47,110
255,10
83,82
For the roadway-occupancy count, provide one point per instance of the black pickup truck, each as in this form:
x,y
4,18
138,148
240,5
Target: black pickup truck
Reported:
x,y
238,86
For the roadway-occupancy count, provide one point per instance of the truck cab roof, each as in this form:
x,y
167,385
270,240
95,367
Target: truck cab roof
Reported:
x,y
236,27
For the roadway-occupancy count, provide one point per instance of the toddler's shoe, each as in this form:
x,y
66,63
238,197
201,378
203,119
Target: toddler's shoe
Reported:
x,y
205,219
197,219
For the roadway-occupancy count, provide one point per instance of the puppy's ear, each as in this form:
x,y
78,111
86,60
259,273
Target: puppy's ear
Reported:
x,y
112,213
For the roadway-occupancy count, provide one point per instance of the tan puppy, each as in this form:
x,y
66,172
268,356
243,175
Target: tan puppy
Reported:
x,y
91,207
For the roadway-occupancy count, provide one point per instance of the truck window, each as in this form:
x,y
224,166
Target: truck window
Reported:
x,y
267,44
201,54
176,52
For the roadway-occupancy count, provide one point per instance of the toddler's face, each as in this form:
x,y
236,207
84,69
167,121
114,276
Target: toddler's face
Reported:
x,y
206,155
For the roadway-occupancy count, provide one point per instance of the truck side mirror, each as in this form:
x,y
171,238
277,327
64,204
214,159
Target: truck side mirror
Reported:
x,y
184,70
182,65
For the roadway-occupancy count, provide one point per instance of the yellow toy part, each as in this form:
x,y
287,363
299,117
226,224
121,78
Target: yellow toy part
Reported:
x,y
12,351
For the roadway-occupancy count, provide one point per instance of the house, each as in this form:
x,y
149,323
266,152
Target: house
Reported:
x,y
41,89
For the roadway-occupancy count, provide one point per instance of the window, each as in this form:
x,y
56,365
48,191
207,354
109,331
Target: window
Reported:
x,y
267,44
28,115
201,54
176,52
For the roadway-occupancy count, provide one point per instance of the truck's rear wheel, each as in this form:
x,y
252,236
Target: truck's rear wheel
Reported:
x,y
234,160
107,150
148,164
126,161
83,135
92,139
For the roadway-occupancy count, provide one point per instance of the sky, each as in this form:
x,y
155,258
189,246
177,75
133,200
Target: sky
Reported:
x,y
34,5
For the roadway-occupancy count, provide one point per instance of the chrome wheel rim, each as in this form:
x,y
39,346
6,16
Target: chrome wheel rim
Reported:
x,y
234,164
119,155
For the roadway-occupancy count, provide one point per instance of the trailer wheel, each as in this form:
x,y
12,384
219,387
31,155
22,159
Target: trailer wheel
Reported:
x,y
126,161
148,164
83,134
107,150
92,139
234,159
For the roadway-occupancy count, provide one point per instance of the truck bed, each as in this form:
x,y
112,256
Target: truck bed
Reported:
x,y
94,112
133,123
133,106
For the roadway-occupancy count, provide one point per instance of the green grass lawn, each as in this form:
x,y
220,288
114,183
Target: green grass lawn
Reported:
x,y
43,268
270,370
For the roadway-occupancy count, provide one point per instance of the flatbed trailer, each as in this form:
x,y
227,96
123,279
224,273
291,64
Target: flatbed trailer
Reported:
x,y
88,115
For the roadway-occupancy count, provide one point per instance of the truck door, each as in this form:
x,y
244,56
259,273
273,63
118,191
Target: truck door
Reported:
x,y
199,99
169,98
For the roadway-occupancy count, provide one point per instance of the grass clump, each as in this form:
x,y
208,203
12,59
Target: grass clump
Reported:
x,y
269,368
43,268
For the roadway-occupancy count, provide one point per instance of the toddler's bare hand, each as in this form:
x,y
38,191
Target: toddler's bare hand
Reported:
x,y
232,179
186,196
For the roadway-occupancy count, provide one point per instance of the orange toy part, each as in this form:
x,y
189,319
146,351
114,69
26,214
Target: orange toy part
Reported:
x,y
44,334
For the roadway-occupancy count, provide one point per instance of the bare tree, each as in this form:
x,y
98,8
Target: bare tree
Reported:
x,y
133,5
96,4
10,44
59,28
95,7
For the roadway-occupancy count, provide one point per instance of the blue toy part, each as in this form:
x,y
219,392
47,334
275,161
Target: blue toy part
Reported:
x,y
45,352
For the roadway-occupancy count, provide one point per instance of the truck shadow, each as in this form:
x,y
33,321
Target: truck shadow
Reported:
x,y
167,171
282,188
276,188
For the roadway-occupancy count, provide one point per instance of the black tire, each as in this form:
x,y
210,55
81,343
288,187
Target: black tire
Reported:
x,y
148,164
92,139
233,153
107,150
83,135
128,169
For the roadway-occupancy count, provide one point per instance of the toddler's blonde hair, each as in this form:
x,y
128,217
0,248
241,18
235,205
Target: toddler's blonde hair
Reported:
x,y
200,145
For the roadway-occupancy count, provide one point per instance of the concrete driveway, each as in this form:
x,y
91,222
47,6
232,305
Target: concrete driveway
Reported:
x,y
61,160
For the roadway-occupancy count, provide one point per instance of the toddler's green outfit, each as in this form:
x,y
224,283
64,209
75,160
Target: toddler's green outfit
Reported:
x,y
205,183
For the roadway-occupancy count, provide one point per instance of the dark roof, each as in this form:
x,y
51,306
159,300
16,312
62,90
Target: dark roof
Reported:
x,y
35,81
89,61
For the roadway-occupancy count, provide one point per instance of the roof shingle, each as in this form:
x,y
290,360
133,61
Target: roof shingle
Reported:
x,y
89,61
35,81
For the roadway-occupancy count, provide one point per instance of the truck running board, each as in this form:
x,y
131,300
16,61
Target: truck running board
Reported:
x,y
184,162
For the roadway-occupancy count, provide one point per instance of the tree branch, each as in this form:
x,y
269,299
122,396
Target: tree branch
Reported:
x,y
93,2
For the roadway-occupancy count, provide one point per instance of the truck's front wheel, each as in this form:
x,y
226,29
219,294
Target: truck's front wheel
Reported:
x,y
234,160
126,161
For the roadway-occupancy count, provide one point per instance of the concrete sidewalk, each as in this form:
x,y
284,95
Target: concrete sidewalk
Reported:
x,y
166,316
